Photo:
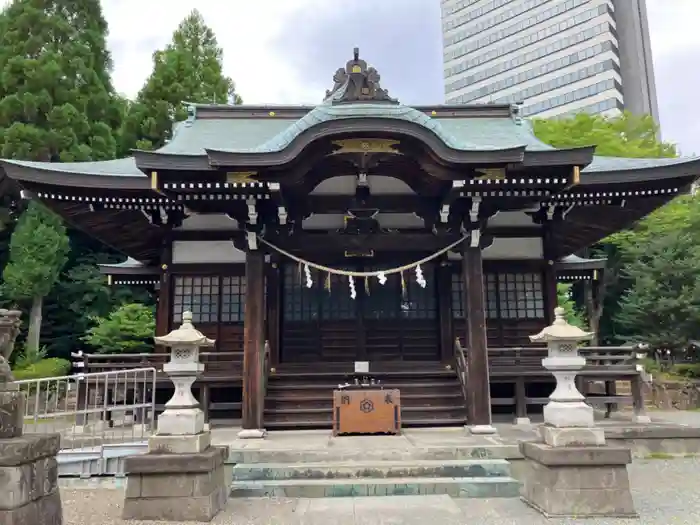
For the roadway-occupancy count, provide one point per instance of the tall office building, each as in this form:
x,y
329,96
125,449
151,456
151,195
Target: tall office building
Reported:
x,y
557,57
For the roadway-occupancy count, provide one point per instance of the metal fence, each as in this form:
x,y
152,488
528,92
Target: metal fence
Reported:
x,y
93,409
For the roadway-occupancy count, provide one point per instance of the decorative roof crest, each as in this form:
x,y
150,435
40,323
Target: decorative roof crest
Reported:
x,y
357,83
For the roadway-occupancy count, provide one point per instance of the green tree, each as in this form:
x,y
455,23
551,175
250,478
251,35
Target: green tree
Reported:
x,y
627,135
38,251
565,300
189,69
128,329
57,102
662,308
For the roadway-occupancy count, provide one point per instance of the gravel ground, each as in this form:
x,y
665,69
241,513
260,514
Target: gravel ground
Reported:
x,y
667,492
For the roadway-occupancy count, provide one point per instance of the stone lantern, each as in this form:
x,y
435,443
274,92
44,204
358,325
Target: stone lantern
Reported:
x,y
183,415
182,476
572,472
567,407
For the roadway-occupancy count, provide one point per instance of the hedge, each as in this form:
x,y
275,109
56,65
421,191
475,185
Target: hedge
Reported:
x,y
50,367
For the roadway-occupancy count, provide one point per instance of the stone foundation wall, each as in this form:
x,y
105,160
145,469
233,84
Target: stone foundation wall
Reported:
x,y
669,395
29,481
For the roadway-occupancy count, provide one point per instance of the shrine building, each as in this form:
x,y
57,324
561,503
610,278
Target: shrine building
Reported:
x,y
359,230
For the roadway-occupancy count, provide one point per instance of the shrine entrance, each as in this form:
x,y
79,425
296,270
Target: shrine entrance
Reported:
x,y
396,321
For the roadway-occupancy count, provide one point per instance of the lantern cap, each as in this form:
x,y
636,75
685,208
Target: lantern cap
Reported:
x,y
561,330
186,335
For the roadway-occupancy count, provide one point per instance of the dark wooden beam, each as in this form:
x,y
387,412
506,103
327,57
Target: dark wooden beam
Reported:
x,y
253,340
164,308
549,274
334,242
479,397
222,235
384,203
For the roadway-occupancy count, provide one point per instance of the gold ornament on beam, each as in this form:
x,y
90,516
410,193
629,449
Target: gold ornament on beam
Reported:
x,y
366,146
240,177
327,285
367,286
576,175
403,286
491,174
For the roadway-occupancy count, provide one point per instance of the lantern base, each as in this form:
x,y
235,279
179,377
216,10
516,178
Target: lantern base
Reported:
x,y
567,437
176,487
181,422
569,414
180,444
580,482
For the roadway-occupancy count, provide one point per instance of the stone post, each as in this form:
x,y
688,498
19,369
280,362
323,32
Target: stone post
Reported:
x,y
181,478
28,467
571,471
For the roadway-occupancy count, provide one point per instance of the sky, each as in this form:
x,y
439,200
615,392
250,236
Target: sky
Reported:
x,y
286,51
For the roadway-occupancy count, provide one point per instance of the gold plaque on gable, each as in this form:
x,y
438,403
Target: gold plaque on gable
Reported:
x,y
234,177
491,174
367,146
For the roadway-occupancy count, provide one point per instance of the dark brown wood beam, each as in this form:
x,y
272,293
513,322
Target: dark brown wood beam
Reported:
x,y
253,340
164,306
389,242
479,397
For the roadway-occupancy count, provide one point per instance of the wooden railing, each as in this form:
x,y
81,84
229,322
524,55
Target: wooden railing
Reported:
x,y
218,366
461,364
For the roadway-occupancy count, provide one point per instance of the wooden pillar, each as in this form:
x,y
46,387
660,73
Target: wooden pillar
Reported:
x,y
253,338
479,397
444,296
549,275
164,311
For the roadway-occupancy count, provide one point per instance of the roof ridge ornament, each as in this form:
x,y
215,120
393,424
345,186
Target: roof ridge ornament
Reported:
x,y
357,83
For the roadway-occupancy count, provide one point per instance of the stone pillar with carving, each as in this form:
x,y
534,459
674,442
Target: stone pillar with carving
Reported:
x,y
181,478
571,471
28,467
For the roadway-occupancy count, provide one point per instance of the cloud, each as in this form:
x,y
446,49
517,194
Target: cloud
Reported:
x,y
675,43
401,38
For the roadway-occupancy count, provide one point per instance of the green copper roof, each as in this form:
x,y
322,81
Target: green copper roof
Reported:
x,y
261,135
327,112
604,164
230,129
111,168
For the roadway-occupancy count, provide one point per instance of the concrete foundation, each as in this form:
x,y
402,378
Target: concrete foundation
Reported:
x,y
176,487
577,481
29,481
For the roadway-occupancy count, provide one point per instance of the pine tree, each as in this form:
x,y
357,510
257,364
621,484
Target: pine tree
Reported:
x,y
189,69
38,251
662,306
57,102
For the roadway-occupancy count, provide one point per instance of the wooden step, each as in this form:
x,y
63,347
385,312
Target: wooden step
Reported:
x,y
297,397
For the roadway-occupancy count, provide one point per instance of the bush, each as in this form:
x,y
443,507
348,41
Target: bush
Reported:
x,y
128,329
687,370
27,357
51,367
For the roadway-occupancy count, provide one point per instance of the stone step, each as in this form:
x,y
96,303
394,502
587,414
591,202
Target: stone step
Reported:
x,y
497,487
374,454
453,468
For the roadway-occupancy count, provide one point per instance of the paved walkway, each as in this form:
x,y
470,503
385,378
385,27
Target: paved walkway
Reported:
x,y
666,493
